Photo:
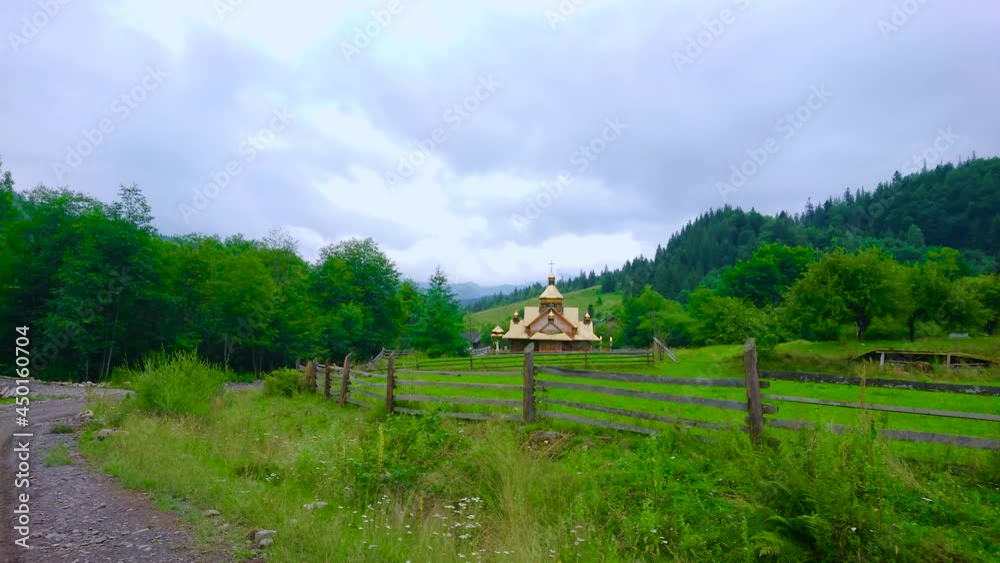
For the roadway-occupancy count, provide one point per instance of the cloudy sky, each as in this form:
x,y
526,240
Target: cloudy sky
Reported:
x,y
488,136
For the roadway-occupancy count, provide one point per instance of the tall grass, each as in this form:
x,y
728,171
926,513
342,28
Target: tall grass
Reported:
x,y
178,384
428,489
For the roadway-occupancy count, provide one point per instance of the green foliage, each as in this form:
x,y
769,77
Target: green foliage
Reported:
x,y
843,287
649,314
764,278
356,288
927,290
439,328
57,455
414,485
179,384
283,383
956,206
61,428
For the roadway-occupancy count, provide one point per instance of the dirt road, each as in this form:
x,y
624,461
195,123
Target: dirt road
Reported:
x,y
77,515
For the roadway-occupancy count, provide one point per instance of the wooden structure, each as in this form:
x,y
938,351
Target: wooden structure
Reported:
x,y
923,358
551,326
533,393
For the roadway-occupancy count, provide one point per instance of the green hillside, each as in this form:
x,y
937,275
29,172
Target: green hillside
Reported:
x,y
501,314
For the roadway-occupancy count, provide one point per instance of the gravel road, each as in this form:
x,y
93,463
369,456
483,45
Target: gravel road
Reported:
x,y
77,515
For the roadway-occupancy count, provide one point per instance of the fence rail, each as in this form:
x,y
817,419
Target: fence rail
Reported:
x,y
629,358
542,387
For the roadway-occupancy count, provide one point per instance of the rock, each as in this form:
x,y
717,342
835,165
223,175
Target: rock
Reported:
x,y
543,438
104,433
210,513
314,505
265,542
261,535
86,415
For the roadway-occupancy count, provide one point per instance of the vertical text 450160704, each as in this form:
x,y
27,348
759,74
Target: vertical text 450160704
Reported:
x,y
22,440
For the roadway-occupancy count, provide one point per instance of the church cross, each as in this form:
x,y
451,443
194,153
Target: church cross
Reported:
x,y
551,266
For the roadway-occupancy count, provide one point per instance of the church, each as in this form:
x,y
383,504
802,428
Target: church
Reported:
x,y
550,326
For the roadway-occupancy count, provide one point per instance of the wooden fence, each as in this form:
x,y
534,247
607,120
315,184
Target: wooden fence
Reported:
x,y
533,389
618,359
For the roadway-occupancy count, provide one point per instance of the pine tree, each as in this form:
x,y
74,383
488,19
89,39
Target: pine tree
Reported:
x,y
439,329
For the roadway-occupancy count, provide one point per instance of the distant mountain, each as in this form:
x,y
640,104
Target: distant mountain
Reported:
x,y
954,205
950,205
469,292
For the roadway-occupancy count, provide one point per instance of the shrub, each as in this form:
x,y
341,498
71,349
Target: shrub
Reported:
x,y
178,385
57,455
283,383
61,428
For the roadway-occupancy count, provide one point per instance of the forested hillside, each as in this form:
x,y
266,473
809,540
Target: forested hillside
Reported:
x,y
98,287
957,206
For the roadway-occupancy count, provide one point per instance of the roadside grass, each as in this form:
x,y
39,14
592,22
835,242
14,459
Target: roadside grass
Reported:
x,y
62,428
424,488
57,455
727,362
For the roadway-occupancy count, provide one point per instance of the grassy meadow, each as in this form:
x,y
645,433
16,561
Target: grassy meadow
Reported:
x,y
727,362
406,488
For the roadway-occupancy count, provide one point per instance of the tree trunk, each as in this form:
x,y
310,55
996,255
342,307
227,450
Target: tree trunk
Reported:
x,y
862,325
911,323
226,350
106,368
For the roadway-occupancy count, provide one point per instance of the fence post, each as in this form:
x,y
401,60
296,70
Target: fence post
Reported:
x,y
586,364
308,377
528,409
326,381
755,410
390,383
345,379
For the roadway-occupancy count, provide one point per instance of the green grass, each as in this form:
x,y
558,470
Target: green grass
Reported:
x,y
727,362
62,428
177,385
501,314
424,489
57,455
402,488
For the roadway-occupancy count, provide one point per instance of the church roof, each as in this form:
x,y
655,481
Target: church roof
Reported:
x,y
550,291
583,331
